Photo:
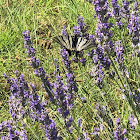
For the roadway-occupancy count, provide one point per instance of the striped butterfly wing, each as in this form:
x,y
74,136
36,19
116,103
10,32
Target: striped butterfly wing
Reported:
x,y
83,44
65,41
74,42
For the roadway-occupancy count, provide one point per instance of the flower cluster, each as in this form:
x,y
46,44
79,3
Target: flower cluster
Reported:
x,y
34,63
59,93
83,61
133,25
24,101
98,73
102,57
81,28
133,122
119,49
103,37
19,96
135,95
125,11
101,60
116,13
71,82
39,114
28,44
64,31
14,133
60,96
119,133
83,135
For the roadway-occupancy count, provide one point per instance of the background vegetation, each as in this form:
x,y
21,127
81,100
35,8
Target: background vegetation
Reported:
x,y
45,19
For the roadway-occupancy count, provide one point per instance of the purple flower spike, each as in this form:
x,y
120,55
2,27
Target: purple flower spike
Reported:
x,y
83,61
119,133
64,31
28,44
81,28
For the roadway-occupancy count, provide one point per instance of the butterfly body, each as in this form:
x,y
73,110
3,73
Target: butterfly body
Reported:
x,y
74,43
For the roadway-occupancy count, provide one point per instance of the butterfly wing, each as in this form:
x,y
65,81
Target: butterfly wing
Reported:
x,y
65,41
74,42
83,44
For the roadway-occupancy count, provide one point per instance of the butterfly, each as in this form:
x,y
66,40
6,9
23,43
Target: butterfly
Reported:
x,y
74,43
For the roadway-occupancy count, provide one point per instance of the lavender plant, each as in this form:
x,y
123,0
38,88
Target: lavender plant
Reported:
x,y
81,28
119,133
71,82
39,71
14,131
103,38
133,26
116,13
25,102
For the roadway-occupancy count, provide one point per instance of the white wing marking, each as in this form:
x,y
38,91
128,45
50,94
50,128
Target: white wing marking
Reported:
x,y
65,41
83,44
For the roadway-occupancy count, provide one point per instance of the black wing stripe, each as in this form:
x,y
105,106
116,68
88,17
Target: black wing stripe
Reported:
x,y
59,40
67,41
70,42
80,43
64,39
74,42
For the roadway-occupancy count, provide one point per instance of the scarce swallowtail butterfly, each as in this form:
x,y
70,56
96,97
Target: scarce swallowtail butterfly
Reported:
x,y
74,43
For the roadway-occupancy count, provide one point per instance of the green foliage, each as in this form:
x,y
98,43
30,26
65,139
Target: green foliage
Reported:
x,y
44,19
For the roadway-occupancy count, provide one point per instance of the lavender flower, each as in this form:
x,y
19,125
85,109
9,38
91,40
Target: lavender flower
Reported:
x,y
83,61
60,94
125,10
98,73
116,13
64,31
116,8
133,122
103,32
65,60
103,37
133,26
34,62
28,44
39,114
119,54
79,121
119,133
81,28
71,88
71,82
23,99
77,30
68,121
102,57
13,132
119,49
91,53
